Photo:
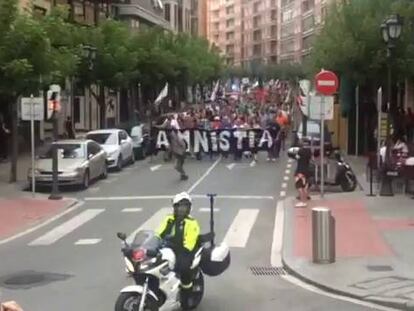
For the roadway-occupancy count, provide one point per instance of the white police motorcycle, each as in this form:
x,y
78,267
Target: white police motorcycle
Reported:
x,y
151,264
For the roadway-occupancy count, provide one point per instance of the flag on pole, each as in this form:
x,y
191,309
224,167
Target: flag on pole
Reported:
x,y
162,94
214,93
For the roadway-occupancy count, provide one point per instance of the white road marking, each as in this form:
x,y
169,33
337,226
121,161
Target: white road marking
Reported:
x,y
88,241
204,175
93,189
253,164
290,160
67,227
110,181
284,185
126,198
289,165
152,223
277,242
132,210
231,166
286,178
287,171
311,288
195,196
282,194
207,209
155,167
239,231
41,225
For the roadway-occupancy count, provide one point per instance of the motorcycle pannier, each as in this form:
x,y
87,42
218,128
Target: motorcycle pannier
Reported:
x,y
215,260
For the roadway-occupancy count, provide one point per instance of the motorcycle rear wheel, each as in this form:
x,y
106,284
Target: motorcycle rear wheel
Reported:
x,y
130,302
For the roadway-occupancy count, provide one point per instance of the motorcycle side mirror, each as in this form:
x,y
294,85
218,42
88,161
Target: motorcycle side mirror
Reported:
x,y
121,236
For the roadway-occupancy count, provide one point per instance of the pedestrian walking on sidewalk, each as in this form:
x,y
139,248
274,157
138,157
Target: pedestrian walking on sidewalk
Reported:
x,y
302,172
178,148
70,131
4,139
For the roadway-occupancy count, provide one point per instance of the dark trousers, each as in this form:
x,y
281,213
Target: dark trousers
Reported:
x,y
180,163
183,268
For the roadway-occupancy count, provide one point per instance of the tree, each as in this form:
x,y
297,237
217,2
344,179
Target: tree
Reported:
x,y
115,63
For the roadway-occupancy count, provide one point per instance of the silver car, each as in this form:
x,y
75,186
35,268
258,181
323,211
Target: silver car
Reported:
x,y
79,162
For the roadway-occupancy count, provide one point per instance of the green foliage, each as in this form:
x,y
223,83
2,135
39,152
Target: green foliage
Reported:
x,y
351,44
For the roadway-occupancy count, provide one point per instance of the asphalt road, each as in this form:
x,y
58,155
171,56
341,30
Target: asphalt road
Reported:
x,y
75,263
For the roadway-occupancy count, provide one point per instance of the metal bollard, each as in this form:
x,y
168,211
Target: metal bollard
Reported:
x,y
323,235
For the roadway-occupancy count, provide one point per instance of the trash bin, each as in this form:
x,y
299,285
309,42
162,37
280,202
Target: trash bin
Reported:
x,y
323,235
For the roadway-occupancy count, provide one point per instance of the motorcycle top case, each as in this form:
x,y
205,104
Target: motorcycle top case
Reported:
x,y
215,260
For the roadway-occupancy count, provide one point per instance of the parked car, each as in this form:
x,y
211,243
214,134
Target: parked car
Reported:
x,y
117,144
79,162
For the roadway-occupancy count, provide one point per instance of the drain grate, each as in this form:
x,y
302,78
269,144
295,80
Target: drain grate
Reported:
x,y
268,271
29,279
379,268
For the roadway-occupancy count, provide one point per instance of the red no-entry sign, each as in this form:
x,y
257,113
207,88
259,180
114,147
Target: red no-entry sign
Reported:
x,y
326,82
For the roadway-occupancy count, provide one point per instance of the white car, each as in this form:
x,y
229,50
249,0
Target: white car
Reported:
x,y
117,145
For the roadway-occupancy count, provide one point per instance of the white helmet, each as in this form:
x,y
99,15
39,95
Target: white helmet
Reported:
x,y
182,210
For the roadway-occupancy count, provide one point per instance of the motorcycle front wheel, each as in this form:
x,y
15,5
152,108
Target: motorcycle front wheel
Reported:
x,y
197,293
348,182
130,302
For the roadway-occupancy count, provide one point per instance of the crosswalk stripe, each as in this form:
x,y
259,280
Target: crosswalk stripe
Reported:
x,y
155,167
88,241
132,210
239,231
67,227
152,223
207,209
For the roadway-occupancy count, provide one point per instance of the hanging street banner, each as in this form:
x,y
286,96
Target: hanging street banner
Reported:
x,y
225,140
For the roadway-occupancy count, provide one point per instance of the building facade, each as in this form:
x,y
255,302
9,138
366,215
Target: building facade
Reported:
x,y
299,21
199,18
178,14
245,31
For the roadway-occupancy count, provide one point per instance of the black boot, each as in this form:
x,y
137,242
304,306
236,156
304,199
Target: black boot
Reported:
x,y
185,298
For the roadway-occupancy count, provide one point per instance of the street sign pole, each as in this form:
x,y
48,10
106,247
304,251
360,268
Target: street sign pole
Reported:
x,y
379,105
326,85
32,139
322,155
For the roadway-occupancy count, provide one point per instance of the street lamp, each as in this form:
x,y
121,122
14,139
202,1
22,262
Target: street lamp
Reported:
x,y
391,30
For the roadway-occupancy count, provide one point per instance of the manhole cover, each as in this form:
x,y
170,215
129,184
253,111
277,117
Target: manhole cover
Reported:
x,y
28,279
380,268
268,271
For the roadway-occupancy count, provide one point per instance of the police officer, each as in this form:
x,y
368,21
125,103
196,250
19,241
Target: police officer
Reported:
x,y
182,232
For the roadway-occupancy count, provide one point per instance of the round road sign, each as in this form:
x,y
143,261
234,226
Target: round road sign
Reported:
x,y
326,82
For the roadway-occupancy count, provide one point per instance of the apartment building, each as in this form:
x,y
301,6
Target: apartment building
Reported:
x,y
178,14
199,18
245,31
139,14
299,21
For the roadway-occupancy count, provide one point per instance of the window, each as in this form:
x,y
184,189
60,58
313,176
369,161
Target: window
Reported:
x,y
76,109
288,46
287,30
216,26
230,35
104,138
230,49
273,31
256,21
39,11
66,151
287,15
307,42
257,35
93,148
273,15
167,12
230,9
273,47
256,7
257,50
308,23
230,22
308,5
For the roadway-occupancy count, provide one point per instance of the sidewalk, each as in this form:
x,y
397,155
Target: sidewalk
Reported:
x,y
8,190
374,247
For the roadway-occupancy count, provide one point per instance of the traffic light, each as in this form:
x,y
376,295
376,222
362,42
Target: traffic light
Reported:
x,y
53,100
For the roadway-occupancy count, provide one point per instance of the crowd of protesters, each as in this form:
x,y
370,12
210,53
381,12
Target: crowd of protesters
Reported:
x,y
235,114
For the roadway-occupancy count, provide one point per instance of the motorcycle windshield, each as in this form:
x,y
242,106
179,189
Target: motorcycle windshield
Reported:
x,y
147,239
